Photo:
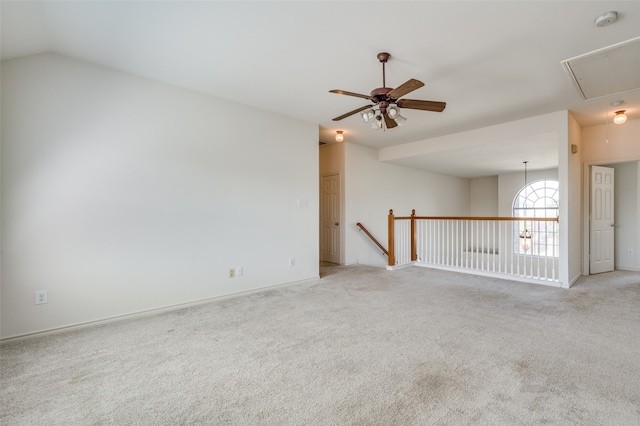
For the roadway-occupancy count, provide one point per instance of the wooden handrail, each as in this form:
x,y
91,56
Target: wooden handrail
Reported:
x,y
361,226
528,219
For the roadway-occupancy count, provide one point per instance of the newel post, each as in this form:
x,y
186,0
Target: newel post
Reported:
x,y
414,254
392,253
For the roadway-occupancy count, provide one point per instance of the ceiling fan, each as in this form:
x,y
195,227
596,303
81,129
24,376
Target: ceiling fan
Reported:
x,y
384,112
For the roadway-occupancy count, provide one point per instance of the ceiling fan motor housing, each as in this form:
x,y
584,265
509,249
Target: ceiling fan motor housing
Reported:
x,y
380,97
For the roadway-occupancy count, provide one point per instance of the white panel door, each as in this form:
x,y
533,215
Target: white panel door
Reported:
x,y
330,218
602,223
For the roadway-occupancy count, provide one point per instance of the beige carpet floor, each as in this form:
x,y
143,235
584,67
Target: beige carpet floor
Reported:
x,y
360,346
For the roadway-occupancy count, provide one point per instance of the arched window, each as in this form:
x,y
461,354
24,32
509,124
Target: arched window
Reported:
x,y
537,199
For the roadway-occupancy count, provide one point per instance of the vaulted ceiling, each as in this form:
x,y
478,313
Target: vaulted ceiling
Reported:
x,y
492,62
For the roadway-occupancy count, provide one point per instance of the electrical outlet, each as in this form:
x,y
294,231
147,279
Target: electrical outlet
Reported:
x,y
41,297
292,261
239,272
232,273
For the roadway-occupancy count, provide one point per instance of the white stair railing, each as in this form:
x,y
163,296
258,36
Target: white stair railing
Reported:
x,y
490,246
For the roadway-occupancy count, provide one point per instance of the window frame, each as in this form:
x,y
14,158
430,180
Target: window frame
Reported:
x,y
539,198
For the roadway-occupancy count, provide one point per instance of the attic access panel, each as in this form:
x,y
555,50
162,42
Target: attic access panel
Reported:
x,y
606,71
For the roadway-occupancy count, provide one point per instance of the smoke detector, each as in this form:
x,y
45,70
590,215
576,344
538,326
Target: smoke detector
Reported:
x,y
606,19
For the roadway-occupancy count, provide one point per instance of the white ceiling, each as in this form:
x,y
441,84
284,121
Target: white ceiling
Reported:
x,y
492,62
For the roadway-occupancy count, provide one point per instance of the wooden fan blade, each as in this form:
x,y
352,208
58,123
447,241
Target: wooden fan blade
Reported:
x,y
352,112
422,105
390,122
404,88
343,92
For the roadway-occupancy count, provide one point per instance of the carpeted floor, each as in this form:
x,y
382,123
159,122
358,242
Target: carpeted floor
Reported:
x,y
361,346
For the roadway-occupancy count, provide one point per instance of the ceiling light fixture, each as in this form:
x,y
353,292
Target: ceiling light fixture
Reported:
x,y
620,117
339,136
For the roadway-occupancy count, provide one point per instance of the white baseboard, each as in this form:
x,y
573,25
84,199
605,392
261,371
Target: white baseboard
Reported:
x,y
573,281
396,267
146,313
624,268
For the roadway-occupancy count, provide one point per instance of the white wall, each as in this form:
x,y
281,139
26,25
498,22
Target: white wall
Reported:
x,y
573,220
626,214
483,193
120,195
611,143
570,174
374,187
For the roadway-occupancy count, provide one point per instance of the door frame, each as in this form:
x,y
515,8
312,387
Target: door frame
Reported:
x,y
609,233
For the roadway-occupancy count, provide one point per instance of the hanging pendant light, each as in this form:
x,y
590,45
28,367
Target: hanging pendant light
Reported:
x,y
525,236
525,239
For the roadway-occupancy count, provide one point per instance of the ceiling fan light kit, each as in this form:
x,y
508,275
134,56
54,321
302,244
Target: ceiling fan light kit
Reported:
x,y
393,111
368,115
384,112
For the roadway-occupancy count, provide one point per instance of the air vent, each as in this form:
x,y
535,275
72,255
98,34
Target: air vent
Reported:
x,y
606,71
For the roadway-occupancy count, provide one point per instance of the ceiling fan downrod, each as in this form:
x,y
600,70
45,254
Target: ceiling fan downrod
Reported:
x,y
383,57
